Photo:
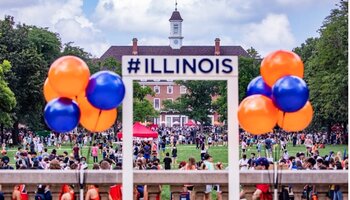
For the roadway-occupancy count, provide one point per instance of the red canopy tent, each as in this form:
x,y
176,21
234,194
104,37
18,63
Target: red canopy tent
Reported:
x,y
153,126
141,131
190,123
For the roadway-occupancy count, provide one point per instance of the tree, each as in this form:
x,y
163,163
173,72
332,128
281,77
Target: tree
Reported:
x,y
46,43
248,69
197,102
253,53
30,50
7,97
326,69
143,109
93,64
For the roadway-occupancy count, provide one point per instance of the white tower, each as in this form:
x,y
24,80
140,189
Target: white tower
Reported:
x,y
175,37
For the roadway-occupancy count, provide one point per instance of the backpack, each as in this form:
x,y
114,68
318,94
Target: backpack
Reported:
x,y
284,195
40,197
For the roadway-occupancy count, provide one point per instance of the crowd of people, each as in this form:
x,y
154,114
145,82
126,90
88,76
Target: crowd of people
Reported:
x,y
40,152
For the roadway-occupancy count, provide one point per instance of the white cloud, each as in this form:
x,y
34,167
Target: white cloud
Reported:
x,y
272,33
65,17
235,22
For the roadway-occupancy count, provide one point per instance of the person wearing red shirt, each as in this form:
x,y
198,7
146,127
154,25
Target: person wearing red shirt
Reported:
x,y
262,191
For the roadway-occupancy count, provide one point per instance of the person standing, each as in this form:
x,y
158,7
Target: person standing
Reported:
x,y
40,147
67,192
208,161
262,191
167,162
76,151
43,193
243,163
244,146
94,152
20,193
174,154
92,193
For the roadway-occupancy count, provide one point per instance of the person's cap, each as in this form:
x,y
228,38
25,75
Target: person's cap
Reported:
x,y
41,186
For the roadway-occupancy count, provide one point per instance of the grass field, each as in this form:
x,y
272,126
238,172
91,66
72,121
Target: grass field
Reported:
x,y
219,153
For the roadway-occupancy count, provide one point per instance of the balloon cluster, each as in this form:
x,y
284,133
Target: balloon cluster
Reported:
x,y
73,96
279,96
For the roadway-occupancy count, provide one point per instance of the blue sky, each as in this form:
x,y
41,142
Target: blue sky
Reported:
x,y
95,25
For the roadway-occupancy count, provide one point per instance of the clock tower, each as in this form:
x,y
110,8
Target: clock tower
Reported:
x,y
175,37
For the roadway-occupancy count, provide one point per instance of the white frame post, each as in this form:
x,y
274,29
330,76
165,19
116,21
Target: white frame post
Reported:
x,y
233,141
232,107
128,170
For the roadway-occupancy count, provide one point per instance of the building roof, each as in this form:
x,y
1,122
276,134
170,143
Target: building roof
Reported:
x,y
118,51
176,16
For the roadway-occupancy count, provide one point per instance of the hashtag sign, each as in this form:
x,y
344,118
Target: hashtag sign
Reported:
x,y
134,65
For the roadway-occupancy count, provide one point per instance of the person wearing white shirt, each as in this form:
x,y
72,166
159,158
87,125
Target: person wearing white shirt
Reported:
x,y
243,163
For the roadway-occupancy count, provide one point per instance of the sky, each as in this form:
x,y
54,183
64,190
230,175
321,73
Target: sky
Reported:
x,y
95,25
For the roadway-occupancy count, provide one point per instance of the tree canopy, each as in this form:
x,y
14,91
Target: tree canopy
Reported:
x,y
326,68
143,108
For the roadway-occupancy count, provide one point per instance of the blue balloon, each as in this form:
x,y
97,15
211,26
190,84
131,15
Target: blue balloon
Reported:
x,y
62,114
290,93
105,90
258,86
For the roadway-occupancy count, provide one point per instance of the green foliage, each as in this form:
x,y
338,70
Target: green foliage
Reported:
x,y
253,53
248,69
29,68
326,68
69,49
7,97
143,109
111,64
197,103
46,43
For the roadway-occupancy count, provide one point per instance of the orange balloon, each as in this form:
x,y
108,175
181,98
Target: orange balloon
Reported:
x,y
281,63
257,114
94,119
69,76
296,121
50,93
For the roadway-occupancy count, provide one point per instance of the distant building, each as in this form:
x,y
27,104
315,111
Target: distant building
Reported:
x,y
168,89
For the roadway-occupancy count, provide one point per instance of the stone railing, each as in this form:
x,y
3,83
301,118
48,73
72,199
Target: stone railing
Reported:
x,y
176,180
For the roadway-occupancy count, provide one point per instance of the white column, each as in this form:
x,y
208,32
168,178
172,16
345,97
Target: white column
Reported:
x,y
128,180
233,135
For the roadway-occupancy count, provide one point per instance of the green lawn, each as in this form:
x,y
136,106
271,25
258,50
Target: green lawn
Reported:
x,y
219,153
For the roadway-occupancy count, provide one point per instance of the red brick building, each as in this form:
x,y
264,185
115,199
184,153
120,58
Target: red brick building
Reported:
x,y
168,89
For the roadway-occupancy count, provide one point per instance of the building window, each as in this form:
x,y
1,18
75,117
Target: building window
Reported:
x,y
168,121
156,89
170,89
176,29
183,90
156,103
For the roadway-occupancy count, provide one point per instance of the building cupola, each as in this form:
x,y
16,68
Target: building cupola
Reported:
x,y
175,37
